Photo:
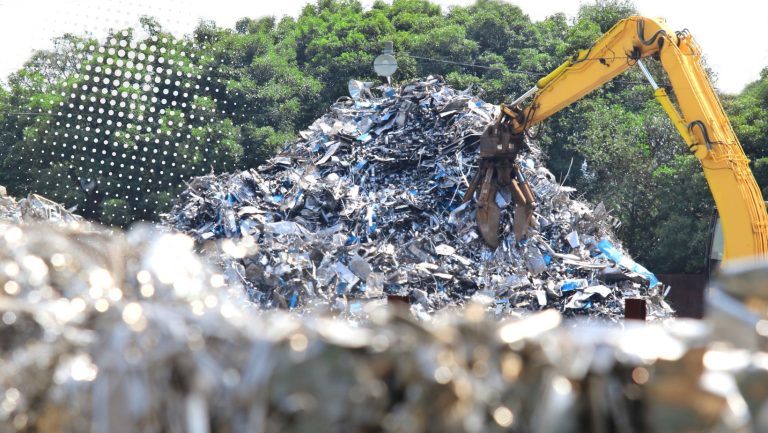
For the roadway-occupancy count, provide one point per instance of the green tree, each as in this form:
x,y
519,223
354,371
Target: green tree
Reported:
x,y
134,116
748,112
681,223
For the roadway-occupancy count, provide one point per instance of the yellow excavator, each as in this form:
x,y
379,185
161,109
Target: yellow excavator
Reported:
x,y
698,116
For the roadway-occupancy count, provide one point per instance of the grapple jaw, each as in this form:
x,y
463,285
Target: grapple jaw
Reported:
x,y
499,147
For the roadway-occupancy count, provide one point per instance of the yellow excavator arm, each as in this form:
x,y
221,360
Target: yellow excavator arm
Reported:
x,y
701,120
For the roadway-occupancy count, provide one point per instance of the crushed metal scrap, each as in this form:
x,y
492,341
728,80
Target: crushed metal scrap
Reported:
x,y
369,203
124,333
34,208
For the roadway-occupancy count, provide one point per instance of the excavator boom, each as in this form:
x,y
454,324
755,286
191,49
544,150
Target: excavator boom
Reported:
x,y
701,120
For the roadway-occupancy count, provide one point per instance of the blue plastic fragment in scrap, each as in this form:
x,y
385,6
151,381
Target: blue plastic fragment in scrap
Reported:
x,y
440,173
294,299
620,259
571,285
360,165
341,288
298,197
356,307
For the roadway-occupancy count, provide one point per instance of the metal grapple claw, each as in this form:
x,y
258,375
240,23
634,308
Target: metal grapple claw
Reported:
x,y
498,170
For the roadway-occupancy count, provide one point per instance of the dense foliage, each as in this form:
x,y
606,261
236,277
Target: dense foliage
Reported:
x,y
224,99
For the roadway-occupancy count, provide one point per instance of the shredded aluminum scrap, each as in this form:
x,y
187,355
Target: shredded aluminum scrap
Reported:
x,y
124,333
368,204
34,208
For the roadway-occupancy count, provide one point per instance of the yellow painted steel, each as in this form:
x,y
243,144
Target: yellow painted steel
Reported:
x,y
542,83
701,119
677,119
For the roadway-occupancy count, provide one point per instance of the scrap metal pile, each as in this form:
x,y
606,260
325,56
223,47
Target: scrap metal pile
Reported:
x,y
124,333
34,208
368,204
